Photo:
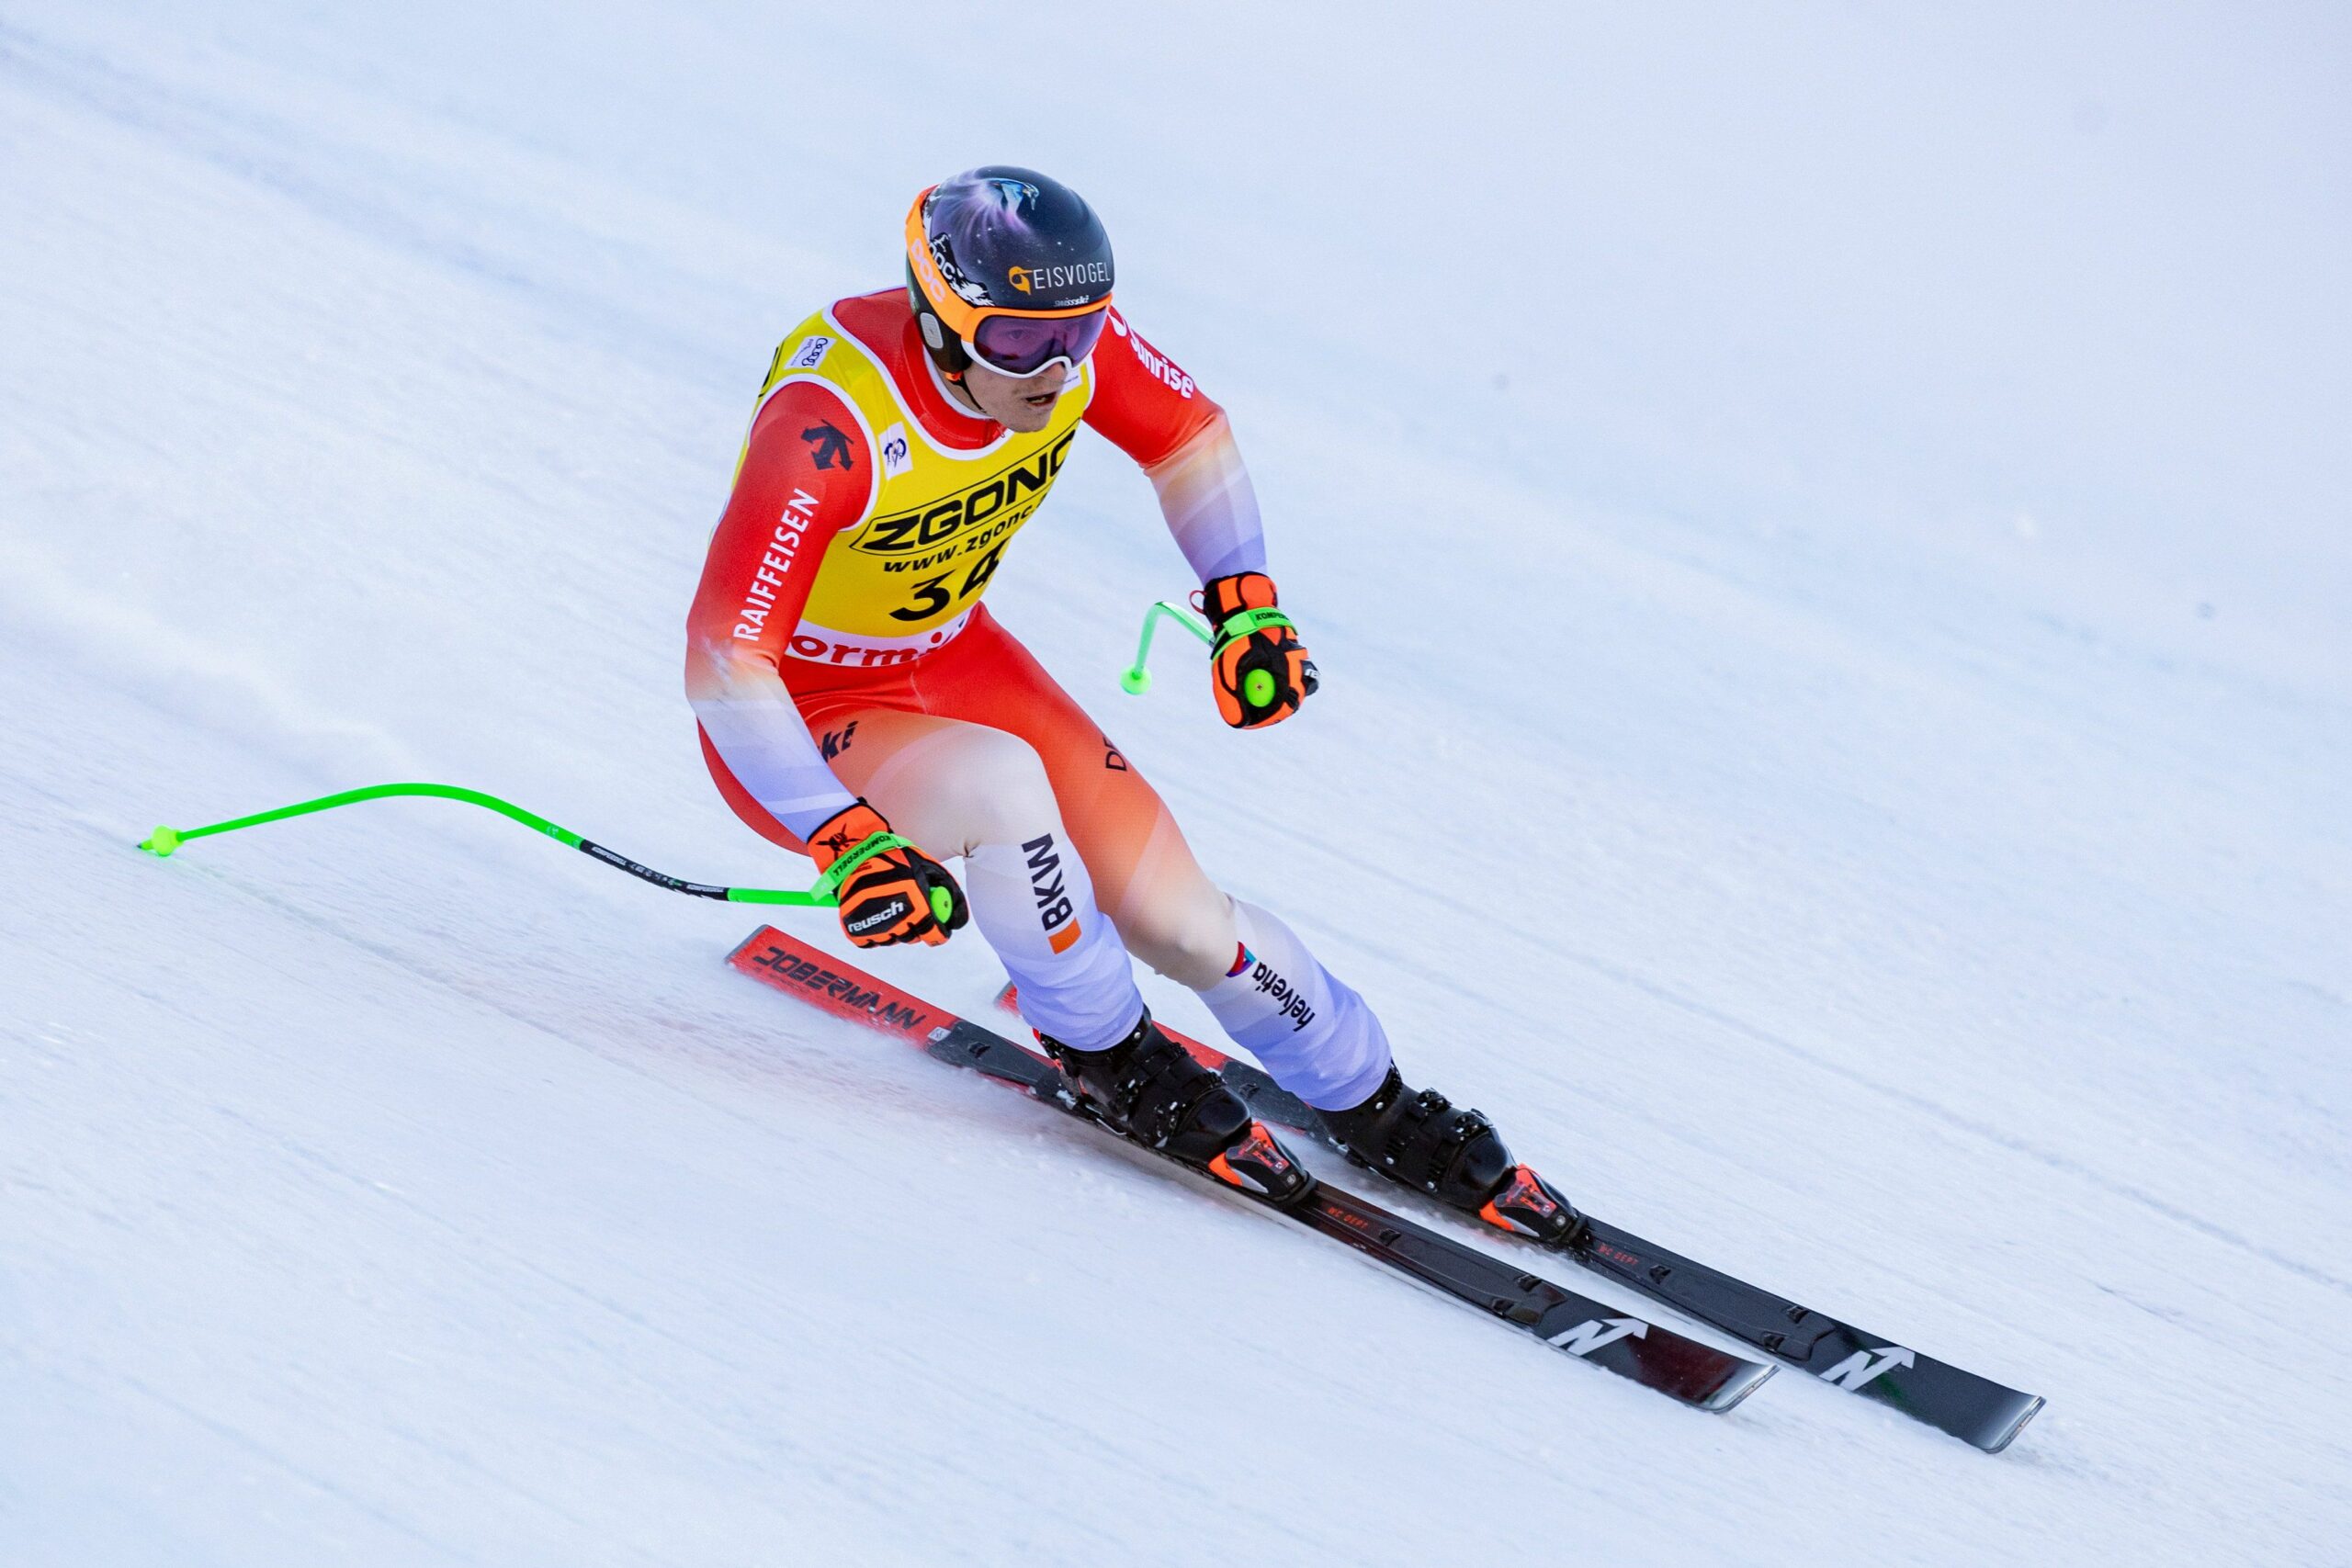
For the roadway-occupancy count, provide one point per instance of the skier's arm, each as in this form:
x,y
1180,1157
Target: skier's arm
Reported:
x,y
756,581
1151,409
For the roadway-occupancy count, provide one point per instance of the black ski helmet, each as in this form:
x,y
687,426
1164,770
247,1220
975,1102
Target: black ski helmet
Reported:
x,y
1000,238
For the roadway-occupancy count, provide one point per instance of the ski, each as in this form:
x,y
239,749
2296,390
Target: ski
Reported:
x,y
1684,1370
1974,1409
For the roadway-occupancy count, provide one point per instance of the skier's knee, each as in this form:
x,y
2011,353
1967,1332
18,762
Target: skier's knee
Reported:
x,y
970,787
1191,941
1012,800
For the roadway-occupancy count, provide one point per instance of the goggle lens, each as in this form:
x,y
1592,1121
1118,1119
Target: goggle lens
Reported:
x,y
1023,345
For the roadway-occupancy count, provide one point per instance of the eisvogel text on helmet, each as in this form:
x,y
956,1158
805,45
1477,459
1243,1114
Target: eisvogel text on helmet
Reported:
x,y
1028,279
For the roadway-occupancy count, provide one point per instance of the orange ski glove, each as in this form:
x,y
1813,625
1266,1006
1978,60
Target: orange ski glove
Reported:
x,y
893,892
1261,669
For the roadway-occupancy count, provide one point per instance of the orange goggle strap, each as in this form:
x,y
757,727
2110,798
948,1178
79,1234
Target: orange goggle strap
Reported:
x,y
958,314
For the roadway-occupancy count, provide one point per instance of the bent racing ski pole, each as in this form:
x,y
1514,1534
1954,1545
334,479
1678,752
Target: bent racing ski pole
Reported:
x,y
823,895
1257,686
1137,679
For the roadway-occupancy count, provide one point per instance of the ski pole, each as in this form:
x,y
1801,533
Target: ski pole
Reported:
x,y
1258,686
823,895
1137,679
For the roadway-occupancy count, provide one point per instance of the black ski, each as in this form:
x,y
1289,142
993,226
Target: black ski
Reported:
x,y
1682,1369
1974,1409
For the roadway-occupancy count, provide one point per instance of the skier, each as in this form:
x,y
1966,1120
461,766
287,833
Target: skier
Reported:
x,y
849,684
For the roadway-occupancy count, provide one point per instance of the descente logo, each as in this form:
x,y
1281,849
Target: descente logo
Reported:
x,y
1084,274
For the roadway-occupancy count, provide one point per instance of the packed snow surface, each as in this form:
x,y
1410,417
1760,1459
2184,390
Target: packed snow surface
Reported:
x,y
1825,531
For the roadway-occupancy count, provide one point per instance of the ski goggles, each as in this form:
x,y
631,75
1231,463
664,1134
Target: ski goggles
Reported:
x,y
1020,343
1030,345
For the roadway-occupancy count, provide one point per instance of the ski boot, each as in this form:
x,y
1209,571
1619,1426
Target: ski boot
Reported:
x,y
1420,1139
1151,1090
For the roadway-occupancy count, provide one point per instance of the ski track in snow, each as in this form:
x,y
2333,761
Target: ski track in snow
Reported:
x,y
1906,674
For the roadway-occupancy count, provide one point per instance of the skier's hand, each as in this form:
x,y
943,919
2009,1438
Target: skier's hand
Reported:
x,y
897,895
1260,668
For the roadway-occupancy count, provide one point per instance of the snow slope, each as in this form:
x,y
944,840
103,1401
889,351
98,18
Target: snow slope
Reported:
x,y
1845,509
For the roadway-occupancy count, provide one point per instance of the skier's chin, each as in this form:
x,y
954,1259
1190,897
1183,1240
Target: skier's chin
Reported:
x,y
1027,419
1021,411
1023,405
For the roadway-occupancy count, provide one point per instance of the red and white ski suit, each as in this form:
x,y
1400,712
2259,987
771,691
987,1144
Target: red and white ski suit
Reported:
x,y
860,475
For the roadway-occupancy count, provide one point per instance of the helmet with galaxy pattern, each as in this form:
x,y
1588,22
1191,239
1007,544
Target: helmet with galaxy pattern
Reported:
x,y
1008,267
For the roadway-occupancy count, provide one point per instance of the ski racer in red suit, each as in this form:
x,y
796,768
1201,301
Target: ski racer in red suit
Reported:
x,y
849,684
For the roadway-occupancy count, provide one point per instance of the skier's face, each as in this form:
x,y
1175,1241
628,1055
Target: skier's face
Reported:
x,y
1023,403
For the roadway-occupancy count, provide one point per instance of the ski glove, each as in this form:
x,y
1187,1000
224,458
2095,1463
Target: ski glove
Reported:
x,y
1260,668
893,892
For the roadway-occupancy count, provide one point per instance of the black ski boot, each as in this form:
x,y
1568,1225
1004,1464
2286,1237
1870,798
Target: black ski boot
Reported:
x,y
1417,1137
1156,1092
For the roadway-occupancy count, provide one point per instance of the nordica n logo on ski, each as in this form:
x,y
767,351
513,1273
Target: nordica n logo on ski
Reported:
x,y
852,996
1597,1333
1857,1369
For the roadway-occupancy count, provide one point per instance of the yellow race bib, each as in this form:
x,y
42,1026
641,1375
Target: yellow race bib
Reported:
x,y
940,519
